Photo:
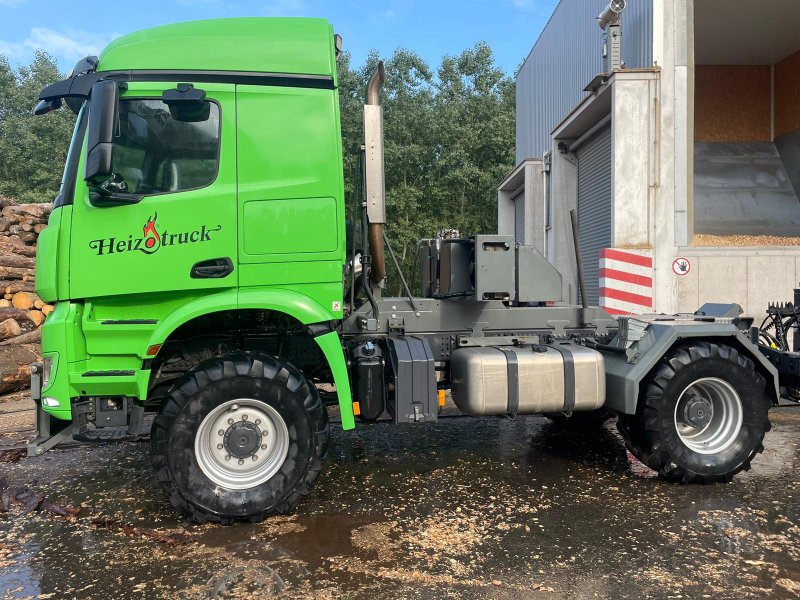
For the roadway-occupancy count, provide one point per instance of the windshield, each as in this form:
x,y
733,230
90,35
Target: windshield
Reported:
x,y
155,152
67,188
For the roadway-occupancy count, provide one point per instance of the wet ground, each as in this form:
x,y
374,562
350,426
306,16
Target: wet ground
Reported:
x,y
464,508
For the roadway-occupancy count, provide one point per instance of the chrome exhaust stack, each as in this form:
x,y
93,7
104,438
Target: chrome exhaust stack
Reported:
x,y
374,176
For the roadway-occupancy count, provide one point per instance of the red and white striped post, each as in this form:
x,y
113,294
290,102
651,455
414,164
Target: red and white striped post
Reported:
x,y
626,281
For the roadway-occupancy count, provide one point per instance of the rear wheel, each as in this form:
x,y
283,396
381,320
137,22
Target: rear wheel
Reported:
x,y
239,437
701,416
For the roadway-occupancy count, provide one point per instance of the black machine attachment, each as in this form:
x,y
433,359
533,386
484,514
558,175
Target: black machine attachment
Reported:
x,y
778,338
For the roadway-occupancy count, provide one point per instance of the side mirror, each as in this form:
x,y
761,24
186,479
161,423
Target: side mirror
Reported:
x,y
46,106
103,114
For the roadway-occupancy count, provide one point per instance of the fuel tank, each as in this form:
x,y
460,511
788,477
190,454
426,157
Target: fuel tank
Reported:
x,y
498,380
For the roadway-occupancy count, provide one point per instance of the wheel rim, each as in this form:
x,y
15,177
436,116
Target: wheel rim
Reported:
x,y
241,443
708,415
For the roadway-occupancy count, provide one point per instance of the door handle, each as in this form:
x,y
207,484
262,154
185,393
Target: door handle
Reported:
x,y
213,268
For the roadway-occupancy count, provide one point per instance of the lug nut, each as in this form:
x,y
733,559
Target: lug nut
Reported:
x,y
221,432
258,421
220,446
255,456
227,457
263,446
230,421
244,417
265,434
241,461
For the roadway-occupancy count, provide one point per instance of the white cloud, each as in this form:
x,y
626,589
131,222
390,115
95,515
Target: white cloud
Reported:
x,y
68,45
11,3
285,8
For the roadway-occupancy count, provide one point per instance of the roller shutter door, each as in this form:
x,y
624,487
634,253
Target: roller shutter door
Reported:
x,y
519,217
594,206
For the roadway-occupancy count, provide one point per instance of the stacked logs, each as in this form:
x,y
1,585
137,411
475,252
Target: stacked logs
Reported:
x,y
22,312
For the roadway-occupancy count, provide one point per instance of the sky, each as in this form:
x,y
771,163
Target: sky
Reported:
x,y
69,30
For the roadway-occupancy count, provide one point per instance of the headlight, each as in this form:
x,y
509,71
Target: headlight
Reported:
x,y
48,366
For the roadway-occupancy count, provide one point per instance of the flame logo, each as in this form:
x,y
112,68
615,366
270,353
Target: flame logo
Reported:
x,y
152,240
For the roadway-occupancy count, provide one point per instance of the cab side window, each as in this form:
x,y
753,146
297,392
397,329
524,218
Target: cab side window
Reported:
x,y
157,153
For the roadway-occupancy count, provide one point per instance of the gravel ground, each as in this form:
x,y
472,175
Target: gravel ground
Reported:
x,y
463,508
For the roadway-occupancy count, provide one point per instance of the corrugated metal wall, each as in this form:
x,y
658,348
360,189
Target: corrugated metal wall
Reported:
x,y
594,207
565,59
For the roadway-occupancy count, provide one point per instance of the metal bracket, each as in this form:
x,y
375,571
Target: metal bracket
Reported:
x,y
45,437
466,341
367,323
397,324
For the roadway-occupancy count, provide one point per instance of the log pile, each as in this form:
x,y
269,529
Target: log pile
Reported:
x,y
22,312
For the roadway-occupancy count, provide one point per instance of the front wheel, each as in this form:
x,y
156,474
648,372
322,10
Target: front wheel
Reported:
x,y
702,415
239,437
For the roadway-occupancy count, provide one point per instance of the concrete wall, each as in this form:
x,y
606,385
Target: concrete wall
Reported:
x,y
634,136
564,182
673,212
527,178
751,277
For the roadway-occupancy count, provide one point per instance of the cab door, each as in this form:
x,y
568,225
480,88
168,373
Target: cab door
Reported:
x,y
182,234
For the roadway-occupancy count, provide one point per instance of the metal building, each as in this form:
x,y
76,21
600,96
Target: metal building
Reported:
x,y
680,157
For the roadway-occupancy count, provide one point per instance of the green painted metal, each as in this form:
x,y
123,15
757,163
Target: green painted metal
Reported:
x,y
275,208
332,349
285,45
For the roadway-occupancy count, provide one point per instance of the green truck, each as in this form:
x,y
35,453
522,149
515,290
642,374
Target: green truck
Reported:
x,y
202,267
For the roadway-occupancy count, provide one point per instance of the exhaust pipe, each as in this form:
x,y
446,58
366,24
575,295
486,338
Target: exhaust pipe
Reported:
x,y
374,172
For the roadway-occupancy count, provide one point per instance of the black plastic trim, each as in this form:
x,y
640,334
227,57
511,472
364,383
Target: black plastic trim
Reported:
x,y
320,329
512,367
108,373
569,376
129,322
300,80
67,193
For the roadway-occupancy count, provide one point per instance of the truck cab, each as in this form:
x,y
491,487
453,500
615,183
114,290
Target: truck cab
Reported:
x,y
216,186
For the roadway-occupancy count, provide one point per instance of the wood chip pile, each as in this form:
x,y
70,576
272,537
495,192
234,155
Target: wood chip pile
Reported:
x,y
756,241
22,312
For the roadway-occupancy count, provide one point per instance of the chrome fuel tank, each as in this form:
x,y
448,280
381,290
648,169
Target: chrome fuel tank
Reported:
x,y
497,380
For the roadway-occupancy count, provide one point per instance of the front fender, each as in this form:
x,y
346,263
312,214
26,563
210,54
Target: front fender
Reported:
x,y
297,305
294,304
303,308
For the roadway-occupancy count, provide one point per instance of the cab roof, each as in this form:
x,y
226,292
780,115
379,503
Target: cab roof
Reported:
x,y
257,44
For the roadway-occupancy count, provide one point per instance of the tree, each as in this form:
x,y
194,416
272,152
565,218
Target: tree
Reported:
x,y
449,143
32,149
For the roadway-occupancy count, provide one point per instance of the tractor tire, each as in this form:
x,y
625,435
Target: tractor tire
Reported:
x,y
587,419
240,437
702,415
